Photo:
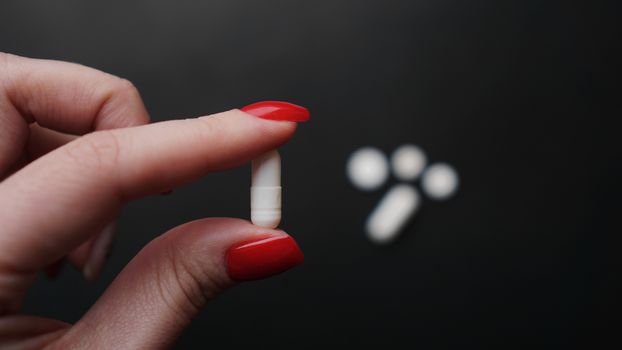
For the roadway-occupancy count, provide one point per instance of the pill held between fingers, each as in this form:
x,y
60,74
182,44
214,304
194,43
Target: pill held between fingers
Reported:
x,y
392,213
367,168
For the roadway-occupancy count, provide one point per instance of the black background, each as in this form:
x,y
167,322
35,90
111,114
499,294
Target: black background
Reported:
x,y
520,96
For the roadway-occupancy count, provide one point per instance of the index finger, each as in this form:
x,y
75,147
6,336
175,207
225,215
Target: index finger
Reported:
x,y
50,204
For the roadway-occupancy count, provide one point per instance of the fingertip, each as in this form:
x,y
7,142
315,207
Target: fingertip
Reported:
x,y
262,257
99,253
234,249
279,130
278,110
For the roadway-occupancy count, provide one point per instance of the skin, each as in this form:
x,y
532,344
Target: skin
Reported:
x,y
75,146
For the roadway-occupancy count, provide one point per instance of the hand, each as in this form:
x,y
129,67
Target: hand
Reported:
x,y
75,145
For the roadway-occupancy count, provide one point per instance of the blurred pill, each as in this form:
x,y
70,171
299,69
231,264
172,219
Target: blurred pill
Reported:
x,y
367,168
440,181
408,162
392,213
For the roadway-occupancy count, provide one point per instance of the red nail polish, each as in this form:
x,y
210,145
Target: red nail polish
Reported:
x,y
262,258
277,110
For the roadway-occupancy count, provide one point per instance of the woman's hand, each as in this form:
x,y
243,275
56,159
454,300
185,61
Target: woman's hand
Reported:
x,y
75,145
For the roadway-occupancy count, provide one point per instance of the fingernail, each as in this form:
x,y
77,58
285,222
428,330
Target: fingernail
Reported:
x,y
99,252
253,260
278,110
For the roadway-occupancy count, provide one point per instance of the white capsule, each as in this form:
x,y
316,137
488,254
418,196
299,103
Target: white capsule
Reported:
x,y
368,168
266,190
392,213
408,162
440,181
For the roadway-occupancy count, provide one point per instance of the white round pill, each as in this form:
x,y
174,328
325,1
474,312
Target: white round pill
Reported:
x,y
368,168
408,162
440,181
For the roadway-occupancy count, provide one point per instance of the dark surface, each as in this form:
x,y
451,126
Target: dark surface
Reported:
x,y
520,96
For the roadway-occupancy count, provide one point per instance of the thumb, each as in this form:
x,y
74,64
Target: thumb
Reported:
x,y
174,276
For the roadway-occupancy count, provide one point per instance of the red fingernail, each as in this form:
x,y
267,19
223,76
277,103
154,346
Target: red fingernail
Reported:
x,y
277,110
262,258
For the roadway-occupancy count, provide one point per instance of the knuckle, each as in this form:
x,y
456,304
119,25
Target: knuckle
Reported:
x,y
179,288
184,286
99,150
122,104
211,129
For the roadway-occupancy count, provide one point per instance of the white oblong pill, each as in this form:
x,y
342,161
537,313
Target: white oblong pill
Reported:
x,y
368,168
440,181
266,190
392,213
408,162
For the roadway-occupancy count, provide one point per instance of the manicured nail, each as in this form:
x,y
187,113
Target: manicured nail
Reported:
x,y
253,260
99,252
278,110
